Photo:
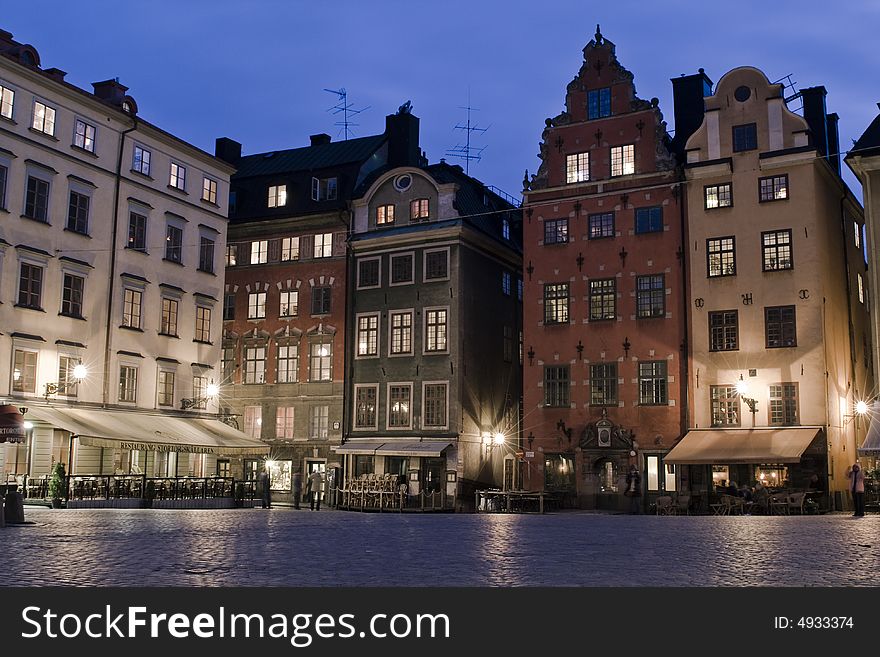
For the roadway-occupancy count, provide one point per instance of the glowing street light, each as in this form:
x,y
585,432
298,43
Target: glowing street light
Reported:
x,y
861,408
498,439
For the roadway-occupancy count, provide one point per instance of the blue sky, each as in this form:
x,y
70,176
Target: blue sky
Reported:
x,y
255,71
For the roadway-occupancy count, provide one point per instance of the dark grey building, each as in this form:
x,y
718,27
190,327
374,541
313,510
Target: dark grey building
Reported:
x,y
434,336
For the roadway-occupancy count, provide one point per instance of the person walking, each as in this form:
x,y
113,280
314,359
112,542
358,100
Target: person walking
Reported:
x,y
297,488
316,487
857,488
634,489
263,483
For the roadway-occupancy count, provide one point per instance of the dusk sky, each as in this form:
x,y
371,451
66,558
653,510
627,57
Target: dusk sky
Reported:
x,y
256,71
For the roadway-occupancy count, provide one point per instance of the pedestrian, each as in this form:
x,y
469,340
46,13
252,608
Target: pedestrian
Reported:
x,y
316,487
857,488
263,484
297,488
634,489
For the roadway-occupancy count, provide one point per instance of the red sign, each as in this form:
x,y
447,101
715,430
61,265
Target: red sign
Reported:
x,y
11,425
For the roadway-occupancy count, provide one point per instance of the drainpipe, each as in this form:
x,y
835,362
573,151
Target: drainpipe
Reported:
x,y
348,324
111,288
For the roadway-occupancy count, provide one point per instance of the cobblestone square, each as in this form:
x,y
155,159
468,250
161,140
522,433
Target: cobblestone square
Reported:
x,y
283,547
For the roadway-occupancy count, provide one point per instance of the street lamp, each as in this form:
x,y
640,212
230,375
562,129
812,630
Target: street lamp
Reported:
x,y
742,389
861,409
211,391
78,374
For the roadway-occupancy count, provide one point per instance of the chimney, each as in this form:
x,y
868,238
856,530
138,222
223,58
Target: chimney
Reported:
x,y
833,141
688,92
814,114
111,91
402,131
320,139
227,150
55,73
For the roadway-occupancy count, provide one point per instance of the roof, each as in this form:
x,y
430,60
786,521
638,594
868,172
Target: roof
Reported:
x,y
870,139
308,158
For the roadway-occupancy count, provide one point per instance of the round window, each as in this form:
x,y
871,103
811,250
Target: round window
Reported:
x,y
742,94
402,182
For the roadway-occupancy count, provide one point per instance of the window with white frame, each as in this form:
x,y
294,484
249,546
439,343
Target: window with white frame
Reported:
x,y
288,305
652,383
401,332
24,370
623,160
784,404
368,335
289,248
277,196
168,323
320,361
44,118
577,168
323,245
257,305
200,392
284,422
399,405
365,403
177,177
434,406
84,135
255,364
7,100
131,308
287,363
253,421
137,231
861,288
436,329
725,403
319,422
324,189
141,160
231,255
209,190
203,324
259,252
384,215
128,381
165,388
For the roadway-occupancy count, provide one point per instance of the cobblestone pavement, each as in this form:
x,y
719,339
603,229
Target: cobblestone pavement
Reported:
x,y
284,547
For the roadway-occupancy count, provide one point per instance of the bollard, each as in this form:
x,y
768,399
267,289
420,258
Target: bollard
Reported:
x,y
14,508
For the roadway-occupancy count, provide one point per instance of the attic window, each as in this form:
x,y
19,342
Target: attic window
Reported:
x,y
27,58
742,94
403,182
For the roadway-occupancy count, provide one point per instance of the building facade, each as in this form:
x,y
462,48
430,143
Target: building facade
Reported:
x,y
434,355
604,310
111,240
779,330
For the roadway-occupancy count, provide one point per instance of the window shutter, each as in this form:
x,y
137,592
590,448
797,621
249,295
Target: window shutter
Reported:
x,y
274,250
338,244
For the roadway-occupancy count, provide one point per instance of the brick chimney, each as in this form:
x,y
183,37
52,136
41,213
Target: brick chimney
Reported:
x,y
402,131
688,92
320,139
227,150
111,91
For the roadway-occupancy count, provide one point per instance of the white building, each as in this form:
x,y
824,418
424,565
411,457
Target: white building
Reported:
x,y
112,234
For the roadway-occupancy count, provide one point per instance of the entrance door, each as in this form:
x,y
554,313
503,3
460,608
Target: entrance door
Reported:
x,y
397,465
432,475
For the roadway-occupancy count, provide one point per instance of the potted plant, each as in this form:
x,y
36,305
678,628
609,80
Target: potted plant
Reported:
x,y
58,485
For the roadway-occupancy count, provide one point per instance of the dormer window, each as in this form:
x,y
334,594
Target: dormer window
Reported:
x,y
419,210
324,189
277,196
745,137
384,215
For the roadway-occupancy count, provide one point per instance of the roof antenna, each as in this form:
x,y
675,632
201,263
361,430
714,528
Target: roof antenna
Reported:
x,y
345,108
465,151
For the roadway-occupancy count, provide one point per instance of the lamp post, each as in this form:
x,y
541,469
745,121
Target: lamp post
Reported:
x,y
78,374
742,389
211,391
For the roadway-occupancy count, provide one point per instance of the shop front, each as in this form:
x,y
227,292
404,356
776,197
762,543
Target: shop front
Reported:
x,y
714,462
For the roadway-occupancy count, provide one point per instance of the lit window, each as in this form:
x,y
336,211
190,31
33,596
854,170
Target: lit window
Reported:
x,y
284,422
68,384
289,303
231,255
259,252
556,231
72,295
603,299
323,247
365,407
773,188
399,406
384,215
650,296
173,243
7,98
319,424
401,333
601,225
203,324
577,168
603,384
289,248
24,371
44,118
418,209
287,363
178,176
253,424
776,250
320,361
556,300
257,305
128,377
434,401
141,160
652,383
721,256
861,289
255,364
323,189
277,196
857,234
784,404
719,196
168,323
725,406
131,308
623,160
436,330
724,330
84,136
368,335
209,190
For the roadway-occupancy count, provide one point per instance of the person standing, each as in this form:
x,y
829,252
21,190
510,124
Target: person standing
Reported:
x,y
857,488
316,487
634,489
297,488
263,483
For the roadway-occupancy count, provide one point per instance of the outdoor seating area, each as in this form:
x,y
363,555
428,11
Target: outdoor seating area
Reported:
x,y
385,492
513,501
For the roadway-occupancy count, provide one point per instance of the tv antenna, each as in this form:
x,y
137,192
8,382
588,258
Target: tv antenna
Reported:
x,y
790,92
347,110
465,151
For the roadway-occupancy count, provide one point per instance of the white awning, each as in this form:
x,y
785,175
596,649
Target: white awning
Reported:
x,y
871,446
711,446
97,427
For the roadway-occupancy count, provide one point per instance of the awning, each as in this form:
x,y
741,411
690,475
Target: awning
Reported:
x,y
708,446
392,448
156,432
871,446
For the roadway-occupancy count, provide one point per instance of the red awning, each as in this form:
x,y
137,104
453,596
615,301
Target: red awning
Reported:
x,y
11,425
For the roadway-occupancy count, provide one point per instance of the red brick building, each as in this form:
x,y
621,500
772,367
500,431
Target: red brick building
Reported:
x,y
604,312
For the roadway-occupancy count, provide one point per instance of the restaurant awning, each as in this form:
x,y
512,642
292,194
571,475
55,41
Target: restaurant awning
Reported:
x,y
394,448
97,427
871,446
708,446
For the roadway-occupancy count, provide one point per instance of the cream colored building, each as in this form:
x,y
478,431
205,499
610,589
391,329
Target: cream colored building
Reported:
x,y
112,238
778,294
